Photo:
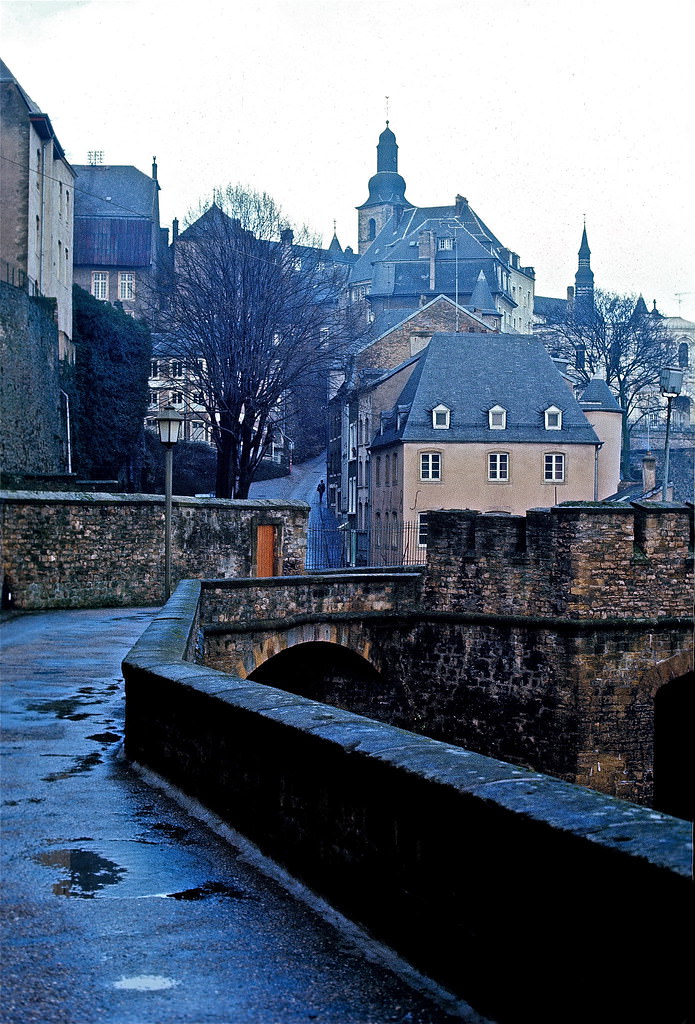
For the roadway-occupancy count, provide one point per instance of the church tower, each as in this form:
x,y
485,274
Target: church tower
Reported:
x,y
584,278
386,192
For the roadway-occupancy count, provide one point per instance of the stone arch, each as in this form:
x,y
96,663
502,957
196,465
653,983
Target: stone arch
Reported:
x,y
330,673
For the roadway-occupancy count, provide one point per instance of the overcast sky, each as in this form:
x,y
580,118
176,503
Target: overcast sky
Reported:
x,y
539,112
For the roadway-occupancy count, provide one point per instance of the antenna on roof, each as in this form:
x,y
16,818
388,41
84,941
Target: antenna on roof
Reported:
x,y
95,156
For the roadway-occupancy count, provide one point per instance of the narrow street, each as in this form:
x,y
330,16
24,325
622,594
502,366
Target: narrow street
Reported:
x,y
117,905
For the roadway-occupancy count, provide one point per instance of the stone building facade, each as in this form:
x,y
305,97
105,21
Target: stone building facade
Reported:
x,y
36,205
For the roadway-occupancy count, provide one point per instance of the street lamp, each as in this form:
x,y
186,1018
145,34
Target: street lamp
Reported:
x,y
670,384
169,422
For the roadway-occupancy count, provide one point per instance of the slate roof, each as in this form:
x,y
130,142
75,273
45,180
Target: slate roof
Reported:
x,y
470,373
598,396
116,211
105,191
544,305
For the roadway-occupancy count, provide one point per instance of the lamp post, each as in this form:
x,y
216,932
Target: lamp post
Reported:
x,y
670,384
169,422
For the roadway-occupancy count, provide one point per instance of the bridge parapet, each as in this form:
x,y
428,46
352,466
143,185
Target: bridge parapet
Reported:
x,y
492,879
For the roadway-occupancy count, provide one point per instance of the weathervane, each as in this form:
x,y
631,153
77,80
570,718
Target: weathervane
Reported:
x,y
387,110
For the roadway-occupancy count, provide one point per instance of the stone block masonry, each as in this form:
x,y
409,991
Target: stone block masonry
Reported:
x,y
74,550
528,897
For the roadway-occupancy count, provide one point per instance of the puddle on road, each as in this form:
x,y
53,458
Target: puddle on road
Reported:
x,y
171,831
105,737
208,889
80,764
146,983
65,707
83,873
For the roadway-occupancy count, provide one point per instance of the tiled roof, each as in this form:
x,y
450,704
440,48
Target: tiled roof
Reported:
x,y
471,373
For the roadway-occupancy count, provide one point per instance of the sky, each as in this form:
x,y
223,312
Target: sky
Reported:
x,y
541,113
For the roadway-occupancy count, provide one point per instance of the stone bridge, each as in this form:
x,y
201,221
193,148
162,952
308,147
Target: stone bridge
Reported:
x,y
560,641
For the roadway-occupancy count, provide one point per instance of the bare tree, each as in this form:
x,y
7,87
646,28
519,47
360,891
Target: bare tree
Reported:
x,y
252,312
619,340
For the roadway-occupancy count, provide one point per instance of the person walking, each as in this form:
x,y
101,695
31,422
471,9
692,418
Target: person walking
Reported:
x,y
321,488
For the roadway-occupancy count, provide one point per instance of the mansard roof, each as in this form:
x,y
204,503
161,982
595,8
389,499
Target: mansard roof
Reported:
x,y
471,373
116,215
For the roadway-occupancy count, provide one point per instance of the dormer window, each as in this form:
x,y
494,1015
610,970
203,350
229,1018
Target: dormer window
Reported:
x,y
445,243
553,418
441,417
497,418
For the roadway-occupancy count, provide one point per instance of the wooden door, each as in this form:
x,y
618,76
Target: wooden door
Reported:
x,y
265,550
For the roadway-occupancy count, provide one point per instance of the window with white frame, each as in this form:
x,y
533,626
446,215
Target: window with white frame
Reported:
x,y
441,417
100,284
498,466
154,399
554,467
497,418
177,398
126,285
154,368
430,466
553,418
177,368
445,243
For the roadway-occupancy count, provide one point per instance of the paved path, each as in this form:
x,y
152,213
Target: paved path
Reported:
x,y
118,906
325,542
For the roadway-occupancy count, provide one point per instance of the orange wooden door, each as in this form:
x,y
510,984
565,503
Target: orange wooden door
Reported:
x,y
265,551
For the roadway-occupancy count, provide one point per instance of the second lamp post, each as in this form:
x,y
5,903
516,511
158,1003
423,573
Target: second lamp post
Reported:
x,y
169,422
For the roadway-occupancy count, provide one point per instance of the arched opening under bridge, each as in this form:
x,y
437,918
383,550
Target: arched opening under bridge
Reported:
x,y
335,675
674,710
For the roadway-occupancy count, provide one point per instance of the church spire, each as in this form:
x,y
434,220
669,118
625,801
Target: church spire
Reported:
x,y
584,278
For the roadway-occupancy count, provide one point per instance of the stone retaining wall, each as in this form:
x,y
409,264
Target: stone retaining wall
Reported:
x,y
75,550
530,898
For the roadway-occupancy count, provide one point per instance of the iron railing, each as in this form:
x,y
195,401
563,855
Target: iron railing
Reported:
x,y
336,547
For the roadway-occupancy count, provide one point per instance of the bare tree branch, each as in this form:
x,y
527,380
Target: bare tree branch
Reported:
x,y
253,313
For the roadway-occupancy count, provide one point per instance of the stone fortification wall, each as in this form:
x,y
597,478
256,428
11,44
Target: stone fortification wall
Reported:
x,y
32,432
579,561
66,550
474,870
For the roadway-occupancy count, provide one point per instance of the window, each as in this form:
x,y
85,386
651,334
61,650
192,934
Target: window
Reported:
x,y
377,471
445,243
59,264
498,466
553,418
441,417
387,470
430,466
394,469
377,529
126,285
154,368
372,229
154,399
554,471
497,418
100,284
422,529
176,398
177,368
683,355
